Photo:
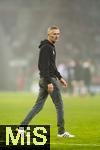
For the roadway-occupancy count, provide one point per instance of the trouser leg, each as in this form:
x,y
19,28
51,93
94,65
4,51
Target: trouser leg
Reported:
x,y
38,105
57,100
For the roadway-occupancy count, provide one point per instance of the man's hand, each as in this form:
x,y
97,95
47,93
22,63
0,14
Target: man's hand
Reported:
x,y
63,82
50,88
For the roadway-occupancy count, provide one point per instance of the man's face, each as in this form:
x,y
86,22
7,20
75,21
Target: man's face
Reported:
x,y
54,35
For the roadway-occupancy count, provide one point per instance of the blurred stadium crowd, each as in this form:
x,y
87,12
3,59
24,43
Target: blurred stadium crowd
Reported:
x,y
23,24
79,76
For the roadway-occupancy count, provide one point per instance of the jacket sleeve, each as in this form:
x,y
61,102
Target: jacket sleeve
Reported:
x,y
57,73
44,63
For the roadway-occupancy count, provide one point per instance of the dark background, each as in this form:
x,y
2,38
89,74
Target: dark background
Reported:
x,y
24,23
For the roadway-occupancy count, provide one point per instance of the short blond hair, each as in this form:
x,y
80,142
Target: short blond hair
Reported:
x,y
52,28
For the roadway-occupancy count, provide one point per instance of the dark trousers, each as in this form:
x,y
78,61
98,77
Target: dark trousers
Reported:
x,y
57,100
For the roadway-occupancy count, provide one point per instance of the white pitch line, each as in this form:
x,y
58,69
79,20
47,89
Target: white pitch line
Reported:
x,y
75,144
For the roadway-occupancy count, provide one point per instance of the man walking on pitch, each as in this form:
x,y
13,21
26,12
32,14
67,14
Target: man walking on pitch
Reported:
x,y
48,82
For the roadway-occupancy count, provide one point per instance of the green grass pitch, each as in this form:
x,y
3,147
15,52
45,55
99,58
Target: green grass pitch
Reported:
x,y
82,118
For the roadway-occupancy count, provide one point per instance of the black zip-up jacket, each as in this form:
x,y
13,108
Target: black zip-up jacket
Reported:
x,y
46,63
